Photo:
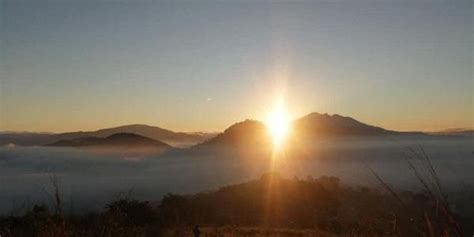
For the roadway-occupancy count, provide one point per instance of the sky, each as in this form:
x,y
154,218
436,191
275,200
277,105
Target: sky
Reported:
x,y
70,65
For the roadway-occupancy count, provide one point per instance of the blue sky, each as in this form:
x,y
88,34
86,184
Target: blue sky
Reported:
x,y
201,66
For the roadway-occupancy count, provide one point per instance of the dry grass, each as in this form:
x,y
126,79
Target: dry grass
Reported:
x,y
232,231
438,219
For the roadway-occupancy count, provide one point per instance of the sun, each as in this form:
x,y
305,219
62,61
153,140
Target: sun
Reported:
x,y
278,123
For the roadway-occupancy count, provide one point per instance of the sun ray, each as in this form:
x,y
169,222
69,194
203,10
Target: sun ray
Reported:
x,y
278,123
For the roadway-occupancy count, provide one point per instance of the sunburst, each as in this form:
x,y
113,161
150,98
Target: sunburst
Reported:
x,y
278,123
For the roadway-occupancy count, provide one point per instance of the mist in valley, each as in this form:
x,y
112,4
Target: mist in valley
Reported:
x,y
88,180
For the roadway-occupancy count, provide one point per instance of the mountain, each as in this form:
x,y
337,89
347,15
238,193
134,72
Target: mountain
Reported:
x,y
116,142
248,139
179,139
314,125
311,125
168,136
252,134
248,132
324,125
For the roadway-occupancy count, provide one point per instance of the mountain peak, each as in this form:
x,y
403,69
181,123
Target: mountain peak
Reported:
x,y
244,132
247,124
316,124
114,140
128,136
156,133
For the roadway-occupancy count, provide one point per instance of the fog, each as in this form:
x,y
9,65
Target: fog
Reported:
x,y
88,180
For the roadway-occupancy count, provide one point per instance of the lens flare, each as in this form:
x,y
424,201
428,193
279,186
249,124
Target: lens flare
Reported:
x,y
279,124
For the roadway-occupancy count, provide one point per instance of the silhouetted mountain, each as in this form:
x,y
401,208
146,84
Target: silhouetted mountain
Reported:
x,y
168,136
124,140
253,136
248,139
310,203
248,132
316,124
312,125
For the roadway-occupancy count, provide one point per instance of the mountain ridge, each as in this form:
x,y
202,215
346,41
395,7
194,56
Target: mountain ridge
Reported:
x,y
117,139
309,126
247,131
168,136
317,124
120,143
153,132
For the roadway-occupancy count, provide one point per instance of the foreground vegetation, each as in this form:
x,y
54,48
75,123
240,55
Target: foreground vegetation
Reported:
x,y
270,206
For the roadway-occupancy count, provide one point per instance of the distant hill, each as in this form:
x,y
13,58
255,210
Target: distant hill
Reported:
x,y
157,133
174,138
116,142
317,125
248,132
311,125
242,133
118,139
254,135
247,139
